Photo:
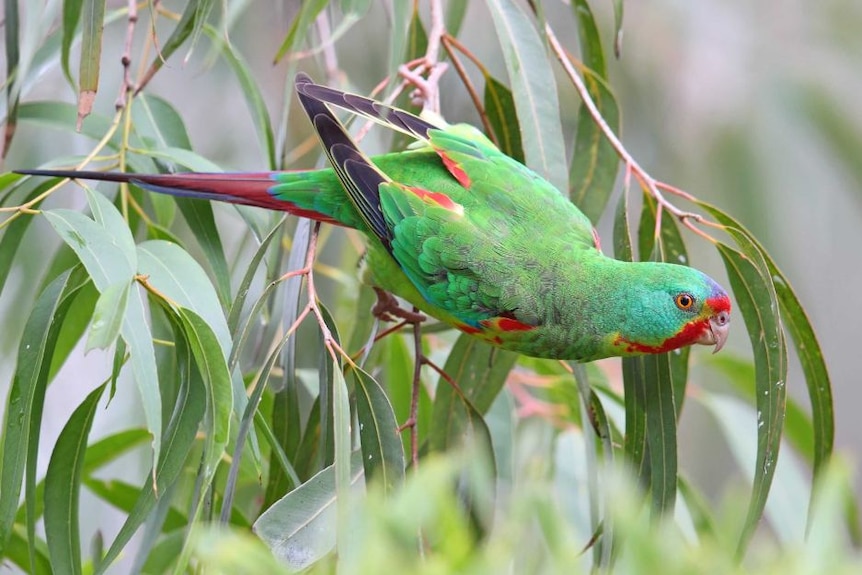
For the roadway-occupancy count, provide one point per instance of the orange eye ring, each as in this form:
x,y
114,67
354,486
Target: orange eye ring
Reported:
x,y
684,301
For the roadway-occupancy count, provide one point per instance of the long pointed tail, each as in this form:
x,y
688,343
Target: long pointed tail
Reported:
x,y
259,189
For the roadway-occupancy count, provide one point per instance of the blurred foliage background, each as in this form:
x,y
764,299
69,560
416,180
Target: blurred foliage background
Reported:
x,y
750,107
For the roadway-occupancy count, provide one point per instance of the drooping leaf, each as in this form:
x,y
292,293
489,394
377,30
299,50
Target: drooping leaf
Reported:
x,y
300,527
500,108
752,293
382,450
92,18
108,316
807,347
634,370
26,397
308,11
106,248
534,90
63,485
189,408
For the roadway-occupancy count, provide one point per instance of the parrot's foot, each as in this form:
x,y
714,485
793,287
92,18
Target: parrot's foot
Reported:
x,y
387,309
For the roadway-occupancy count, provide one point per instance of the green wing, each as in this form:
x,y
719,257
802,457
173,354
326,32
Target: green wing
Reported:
x,y
463,221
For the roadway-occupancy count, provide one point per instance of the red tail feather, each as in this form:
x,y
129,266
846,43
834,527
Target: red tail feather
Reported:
x,y
247,188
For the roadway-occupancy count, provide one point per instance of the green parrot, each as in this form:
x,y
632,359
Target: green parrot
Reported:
x,y
473,238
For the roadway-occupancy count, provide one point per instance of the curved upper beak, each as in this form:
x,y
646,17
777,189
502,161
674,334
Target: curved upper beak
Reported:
x,y
719,327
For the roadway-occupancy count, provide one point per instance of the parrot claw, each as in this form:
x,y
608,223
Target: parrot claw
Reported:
x,y
387,309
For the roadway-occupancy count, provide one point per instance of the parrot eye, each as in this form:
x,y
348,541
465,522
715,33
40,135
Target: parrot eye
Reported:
x,y
684,301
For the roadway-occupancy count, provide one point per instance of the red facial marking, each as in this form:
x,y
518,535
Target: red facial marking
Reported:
x,y
597,240
456,170
438,198
719,303
688,335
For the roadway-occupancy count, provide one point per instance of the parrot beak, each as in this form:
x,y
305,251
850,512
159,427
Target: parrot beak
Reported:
x,y
719,327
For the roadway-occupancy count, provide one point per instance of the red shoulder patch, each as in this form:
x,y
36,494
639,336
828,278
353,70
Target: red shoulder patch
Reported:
x,y
455,169
506,324
437,198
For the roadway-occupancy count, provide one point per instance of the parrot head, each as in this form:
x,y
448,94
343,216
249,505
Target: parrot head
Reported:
x,y
672,306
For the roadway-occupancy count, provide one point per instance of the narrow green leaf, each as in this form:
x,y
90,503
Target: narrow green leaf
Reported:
x,y
759,308
634,371
382,450
595,163
108,316
212,363
300,27
199,216
188,23
176,274
500,108
597,432
23,416
178,439
124,496
156,119
238,303
14,234
106,249
286,421
807,348
327,380
74,326
71,16
670,248
479,371
798,425
300,528
592,54
105,260
63,485
534,89
113,446
661,433
342,452
188,159
18,552
142,356
92,18
786,507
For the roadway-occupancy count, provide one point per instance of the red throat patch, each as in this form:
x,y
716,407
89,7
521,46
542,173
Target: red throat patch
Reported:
x,y
688,335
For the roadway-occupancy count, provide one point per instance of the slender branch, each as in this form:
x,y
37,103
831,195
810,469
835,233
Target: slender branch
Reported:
x,y
647,182
448,43
127,87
